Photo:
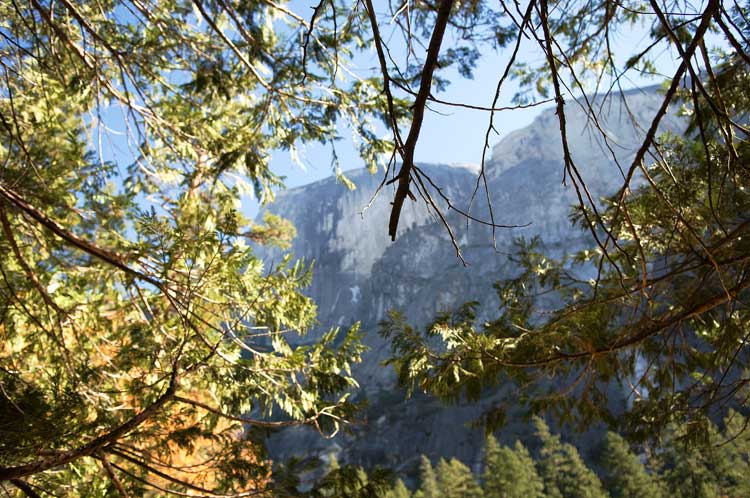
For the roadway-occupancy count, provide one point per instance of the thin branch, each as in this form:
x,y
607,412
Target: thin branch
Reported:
x,y
386,77
24,265
112,476
308,33
106,255
23,486
65,457
253,422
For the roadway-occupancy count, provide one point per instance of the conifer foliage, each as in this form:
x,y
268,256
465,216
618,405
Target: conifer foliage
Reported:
x,y
144,346
625,475
562,469
510,472
716,468
143,343
429,487
456,480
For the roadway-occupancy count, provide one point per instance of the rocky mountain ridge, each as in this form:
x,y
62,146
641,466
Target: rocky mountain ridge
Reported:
x,y
360,274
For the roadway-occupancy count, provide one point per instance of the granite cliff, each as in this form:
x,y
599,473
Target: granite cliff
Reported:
x,y
360,274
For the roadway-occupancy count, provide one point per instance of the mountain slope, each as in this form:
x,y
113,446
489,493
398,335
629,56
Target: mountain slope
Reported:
x,y
360,274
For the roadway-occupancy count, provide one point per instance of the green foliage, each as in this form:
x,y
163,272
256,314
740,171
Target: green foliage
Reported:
x,y
276,231
562,469
510,472
429,487
732,450
687,474
399,490
654,309
456,480
135,314
624,474
716,468
143,341
350,481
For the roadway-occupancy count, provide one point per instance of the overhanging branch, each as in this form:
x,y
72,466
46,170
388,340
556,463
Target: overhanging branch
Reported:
x,y
430,63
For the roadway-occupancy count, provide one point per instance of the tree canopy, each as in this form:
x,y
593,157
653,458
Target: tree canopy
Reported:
x,y
143,340
657,303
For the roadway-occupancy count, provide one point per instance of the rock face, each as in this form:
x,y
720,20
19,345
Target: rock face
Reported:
x,y
360,274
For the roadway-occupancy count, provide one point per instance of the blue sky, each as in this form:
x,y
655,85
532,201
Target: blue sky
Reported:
x,y
449,134
456,135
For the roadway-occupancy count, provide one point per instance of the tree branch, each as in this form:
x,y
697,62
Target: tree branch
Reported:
x,y
89,449
430,63
116,260
24,486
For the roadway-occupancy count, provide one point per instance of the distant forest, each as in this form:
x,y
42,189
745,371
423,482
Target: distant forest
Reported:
x,y
552,468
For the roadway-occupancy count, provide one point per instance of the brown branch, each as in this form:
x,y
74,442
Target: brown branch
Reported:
x,y
65,457
256,423
22,262
552,63
569,165
386,77
308,34
431,62
482,177
111,257
474,107
24,486
739,50
167,491
422,190
151,470
650,328
112,476
246,62
711,8
463,213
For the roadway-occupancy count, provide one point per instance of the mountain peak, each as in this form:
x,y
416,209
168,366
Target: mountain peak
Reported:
x,y
622,116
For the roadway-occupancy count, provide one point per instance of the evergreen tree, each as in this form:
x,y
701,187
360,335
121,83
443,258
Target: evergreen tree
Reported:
x,y
715,466
510,473
455,480
734,444
562,469
399,490
685,472
736,433
349,482
625,475
428,482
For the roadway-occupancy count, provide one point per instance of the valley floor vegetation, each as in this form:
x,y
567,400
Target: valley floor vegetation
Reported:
x,y
557,470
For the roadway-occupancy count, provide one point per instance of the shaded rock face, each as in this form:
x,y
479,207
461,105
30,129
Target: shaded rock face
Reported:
x,y
360,274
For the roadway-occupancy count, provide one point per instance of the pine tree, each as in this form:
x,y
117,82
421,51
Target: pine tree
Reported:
x,y
562,469
734,444
456,480
428,487
510,473
684,469
687,476
399,490
625,475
